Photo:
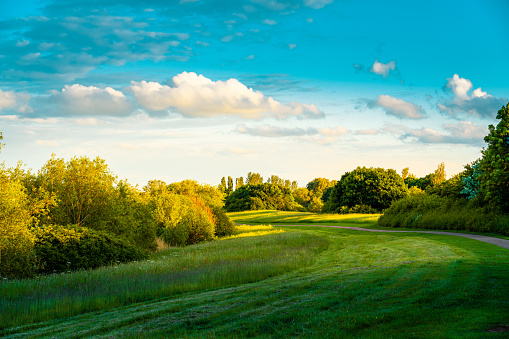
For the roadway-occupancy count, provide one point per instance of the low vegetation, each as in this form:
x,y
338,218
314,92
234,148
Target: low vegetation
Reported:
x,y
328,282
253,254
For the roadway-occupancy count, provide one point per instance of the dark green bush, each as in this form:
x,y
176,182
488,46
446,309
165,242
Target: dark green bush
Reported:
x,y
224,225
443,213
60,249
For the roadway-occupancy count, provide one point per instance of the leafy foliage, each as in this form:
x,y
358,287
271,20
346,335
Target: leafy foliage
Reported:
x,y
374,187
65,248
494,165
17,257
261,197
435,212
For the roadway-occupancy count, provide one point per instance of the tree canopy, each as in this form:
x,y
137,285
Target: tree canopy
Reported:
x,y
261,197
373,187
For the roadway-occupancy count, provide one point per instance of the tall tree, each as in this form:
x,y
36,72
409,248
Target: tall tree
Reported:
x,y
494,164
229,188
405,172
254,179
222,185
239,182
1,138
439,175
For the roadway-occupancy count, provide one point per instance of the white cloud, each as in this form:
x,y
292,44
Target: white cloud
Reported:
x,y
11,100
479,103
370,131
463,132
292,46
194,95
82,100
270,22
397,107
383,69
316,4
316,135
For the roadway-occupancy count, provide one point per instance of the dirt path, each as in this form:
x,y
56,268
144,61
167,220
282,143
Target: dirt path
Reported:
x,y
491,240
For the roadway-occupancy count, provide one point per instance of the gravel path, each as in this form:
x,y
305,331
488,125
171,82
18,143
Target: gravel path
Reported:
x,y
491,240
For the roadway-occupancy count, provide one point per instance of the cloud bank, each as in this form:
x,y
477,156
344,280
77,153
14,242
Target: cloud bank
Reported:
x,y
478,103
194,95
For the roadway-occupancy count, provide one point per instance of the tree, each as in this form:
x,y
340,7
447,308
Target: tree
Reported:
x,y
222,185
229,188
374,187
404,172
83,188
239,182
1,145
261,197
494,166
438,175
317,186
17,257
254,179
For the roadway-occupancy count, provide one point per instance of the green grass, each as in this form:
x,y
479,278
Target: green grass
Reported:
x,y
242,258
353,284
307,218
283,217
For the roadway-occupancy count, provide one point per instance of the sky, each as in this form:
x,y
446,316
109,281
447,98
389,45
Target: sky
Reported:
x,y
202,89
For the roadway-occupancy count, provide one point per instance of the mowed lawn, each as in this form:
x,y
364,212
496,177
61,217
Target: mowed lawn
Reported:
x,y
345,284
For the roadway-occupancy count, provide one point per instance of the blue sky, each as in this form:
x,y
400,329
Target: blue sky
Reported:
x,y
197,89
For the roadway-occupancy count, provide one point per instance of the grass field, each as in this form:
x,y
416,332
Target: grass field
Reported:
x,y
346,284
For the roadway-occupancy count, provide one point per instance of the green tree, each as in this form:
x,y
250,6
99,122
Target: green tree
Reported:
x,y
17,256
405,172
1,145
373,187
438,175
260,197
229,188
254,179
302,196
83,189
222,185
494,166
239,182
317,186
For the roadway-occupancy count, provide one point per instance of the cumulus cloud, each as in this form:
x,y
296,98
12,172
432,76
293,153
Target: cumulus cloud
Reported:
x,y
319,135
10,100
383,69
93,101
397,107
194,95
292,46
463,132
478,103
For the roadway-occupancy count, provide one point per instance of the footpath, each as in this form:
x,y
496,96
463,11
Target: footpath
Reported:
x,y
491,240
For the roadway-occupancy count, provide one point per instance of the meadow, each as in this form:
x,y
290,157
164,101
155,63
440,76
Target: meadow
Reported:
x,y
300,281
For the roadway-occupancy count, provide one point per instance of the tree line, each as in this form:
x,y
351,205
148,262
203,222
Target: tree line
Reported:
x,y
76,214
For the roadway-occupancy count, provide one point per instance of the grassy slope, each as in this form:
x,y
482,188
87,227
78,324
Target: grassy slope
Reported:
x,y
356,220
363,285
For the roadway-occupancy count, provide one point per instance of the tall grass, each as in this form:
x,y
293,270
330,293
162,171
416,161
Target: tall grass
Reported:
x,y
172,271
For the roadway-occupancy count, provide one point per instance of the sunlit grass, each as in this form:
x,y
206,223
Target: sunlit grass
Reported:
x,y
363,285
284,217
172,271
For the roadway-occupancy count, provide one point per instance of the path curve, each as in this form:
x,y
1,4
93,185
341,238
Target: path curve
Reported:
x,y
491,240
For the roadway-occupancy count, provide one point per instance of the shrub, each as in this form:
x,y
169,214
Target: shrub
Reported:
x,y
63,248
224,225
443,213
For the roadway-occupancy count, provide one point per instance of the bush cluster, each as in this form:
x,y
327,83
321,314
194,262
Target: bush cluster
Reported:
x,y
65,248
444,213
